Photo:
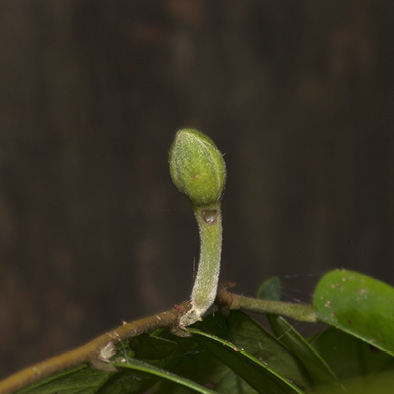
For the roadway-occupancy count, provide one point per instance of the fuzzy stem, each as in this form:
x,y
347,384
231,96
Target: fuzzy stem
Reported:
x,y
298,312
206,282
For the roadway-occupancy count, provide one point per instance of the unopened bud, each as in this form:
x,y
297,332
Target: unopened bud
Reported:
x,y
197,167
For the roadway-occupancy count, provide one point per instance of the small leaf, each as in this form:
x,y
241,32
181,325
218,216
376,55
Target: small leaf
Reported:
x,y
199,365
271,289
137,365
256,373
317,367
79,379
359,305
349,356
378,383
247,334
151,347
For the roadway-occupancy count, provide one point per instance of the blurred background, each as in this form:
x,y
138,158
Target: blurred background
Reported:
x,y
299,95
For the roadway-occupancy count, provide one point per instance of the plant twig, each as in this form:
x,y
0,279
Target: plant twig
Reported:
x,y
92,351
226,301
198,170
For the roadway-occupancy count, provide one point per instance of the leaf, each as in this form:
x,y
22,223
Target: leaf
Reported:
x,y
371,384
161,349
271,289
184,363
133,375
152,346
359,305
349,356
362,368
317,367
199,365
77,380
247,335
257,374
137,365
194,361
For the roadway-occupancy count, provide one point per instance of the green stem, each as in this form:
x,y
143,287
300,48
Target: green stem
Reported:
x,y
298,312
206,282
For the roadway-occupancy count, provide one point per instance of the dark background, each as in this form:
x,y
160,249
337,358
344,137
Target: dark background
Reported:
x,y
299,96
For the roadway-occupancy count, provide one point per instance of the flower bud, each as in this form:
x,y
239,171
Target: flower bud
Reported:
x,y
197,167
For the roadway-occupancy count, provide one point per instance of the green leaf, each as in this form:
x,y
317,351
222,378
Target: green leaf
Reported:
x,y
137,365
271,289
194,361
317,367
145,346
359,305
77,380
197,363
132,375
255,372
378,383
248,341
348,356
152,346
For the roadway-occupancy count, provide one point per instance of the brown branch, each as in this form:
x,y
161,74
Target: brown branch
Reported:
x,y
92,352
95,352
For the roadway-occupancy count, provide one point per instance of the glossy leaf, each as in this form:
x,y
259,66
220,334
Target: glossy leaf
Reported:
x,y
359,305
318,369
137,365
271,289
77,380
349,356
246,334
372,384
198,364
152,346
255,372
132,375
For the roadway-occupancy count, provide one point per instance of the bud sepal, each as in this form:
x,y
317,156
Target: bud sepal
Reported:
x,y
197,167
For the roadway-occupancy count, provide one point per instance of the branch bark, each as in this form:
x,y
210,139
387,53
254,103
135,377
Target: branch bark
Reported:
x,y
92,352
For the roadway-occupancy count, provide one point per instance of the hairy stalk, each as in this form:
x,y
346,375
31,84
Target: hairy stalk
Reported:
x,y
206,282
198,170
298,312
226,300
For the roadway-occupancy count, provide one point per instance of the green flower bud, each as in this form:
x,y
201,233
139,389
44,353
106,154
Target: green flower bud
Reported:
x,y
197,167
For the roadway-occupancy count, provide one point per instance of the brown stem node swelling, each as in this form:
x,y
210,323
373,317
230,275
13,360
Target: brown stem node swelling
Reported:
x,y
224,299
